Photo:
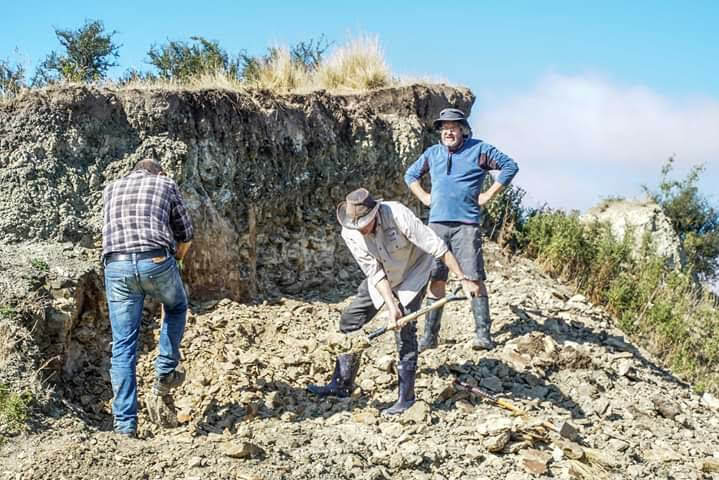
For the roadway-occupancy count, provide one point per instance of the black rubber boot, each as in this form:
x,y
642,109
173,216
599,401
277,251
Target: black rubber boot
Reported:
x,y
432,324
342,382
482,323
407,372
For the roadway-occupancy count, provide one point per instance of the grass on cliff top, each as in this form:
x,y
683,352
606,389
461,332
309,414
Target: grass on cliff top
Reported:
x,y
357,65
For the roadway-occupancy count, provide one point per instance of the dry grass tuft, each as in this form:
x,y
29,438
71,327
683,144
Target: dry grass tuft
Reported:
x,y
280,73
357,65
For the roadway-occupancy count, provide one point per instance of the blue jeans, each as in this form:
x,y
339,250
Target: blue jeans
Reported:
x,y
126,284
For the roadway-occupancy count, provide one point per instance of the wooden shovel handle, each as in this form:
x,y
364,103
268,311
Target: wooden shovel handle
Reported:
x,y
408,318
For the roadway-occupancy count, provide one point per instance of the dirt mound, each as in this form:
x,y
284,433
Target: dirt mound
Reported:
x,y
245,414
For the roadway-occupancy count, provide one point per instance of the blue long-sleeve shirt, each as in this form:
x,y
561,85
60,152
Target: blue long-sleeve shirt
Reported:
x,y
457,178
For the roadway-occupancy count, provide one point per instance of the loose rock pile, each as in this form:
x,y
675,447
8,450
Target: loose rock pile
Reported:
x,y
244,413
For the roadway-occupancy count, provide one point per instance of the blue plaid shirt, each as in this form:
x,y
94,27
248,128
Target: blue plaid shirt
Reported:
x,y
143,212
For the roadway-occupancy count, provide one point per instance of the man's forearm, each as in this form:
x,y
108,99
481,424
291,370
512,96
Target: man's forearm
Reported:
x,y
420,193
182,249
486,197
384,289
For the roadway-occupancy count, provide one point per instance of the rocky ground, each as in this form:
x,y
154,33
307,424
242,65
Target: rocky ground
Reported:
x,y
244,412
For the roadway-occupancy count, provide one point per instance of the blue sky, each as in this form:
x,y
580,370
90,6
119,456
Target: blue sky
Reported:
x,y
589,98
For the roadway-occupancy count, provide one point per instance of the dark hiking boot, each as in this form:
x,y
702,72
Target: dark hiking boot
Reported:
x,y
164,385
407,372
482,323
432,325
342,381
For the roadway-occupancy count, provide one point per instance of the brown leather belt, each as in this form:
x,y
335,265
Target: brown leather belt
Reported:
x,y
125,257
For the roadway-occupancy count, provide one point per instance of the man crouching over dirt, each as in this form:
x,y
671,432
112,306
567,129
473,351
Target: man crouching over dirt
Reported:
x,y
146,231
396,251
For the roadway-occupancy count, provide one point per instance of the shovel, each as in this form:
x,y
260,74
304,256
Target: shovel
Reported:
x,y
412,316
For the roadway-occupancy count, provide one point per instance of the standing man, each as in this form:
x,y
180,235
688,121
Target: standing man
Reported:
x,y
457,166
395,251
146,231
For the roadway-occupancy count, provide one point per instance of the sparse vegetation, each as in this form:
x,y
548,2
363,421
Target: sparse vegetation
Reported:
x,y
678,321
357,65
39,264
14,409
12,78
90,51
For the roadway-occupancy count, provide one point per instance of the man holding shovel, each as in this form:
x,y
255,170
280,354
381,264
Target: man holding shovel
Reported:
x,y
396,251
457,167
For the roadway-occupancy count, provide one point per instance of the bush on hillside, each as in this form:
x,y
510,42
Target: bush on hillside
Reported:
x,y
14,409
503,217
663,306
177,60
694,220
89,53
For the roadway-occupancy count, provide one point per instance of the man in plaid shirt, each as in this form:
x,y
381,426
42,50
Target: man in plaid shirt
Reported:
x,y
146,232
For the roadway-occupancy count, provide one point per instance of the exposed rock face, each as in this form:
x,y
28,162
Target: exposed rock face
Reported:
x,y
262,174
641,217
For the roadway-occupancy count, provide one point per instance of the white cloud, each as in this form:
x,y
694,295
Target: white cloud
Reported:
x,y
580,138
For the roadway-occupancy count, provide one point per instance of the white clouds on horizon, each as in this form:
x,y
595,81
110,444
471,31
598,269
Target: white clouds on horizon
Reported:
x,y
576,136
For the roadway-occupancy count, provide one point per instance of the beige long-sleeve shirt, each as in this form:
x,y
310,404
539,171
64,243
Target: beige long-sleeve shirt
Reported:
x,y
401,249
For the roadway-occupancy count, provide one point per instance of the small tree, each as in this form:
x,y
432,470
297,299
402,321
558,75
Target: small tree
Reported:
x,y
693,218
12,78
311,52
89,53
179,60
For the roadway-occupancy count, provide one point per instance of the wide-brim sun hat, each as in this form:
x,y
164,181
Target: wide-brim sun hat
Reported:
x,y
357,210
451,115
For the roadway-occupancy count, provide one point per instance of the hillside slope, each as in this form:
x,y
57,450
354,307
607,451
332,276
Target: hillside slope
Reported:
x,y
246,414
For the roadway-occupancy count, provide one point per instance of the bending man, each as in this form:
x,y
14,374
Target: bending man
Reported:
x,y
395,251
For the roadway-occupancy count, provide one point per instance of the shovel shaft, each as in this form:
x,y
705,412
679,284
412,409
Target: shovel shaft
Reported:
x,y
412,316
500,402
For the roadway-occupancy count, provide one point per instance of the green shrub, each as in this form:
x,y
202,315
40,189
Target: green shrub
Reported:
x,y
7,311
694,219
665,307
39,264
177,60
89,53
14,409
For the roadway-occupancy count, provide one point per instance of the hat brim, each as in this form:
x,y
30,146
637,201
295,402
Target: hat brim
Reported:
x,y
363,221
437,123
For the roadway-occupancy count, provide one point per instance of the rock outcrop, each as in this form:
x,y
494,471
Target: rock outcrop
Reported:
x,y
640,218
261,174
